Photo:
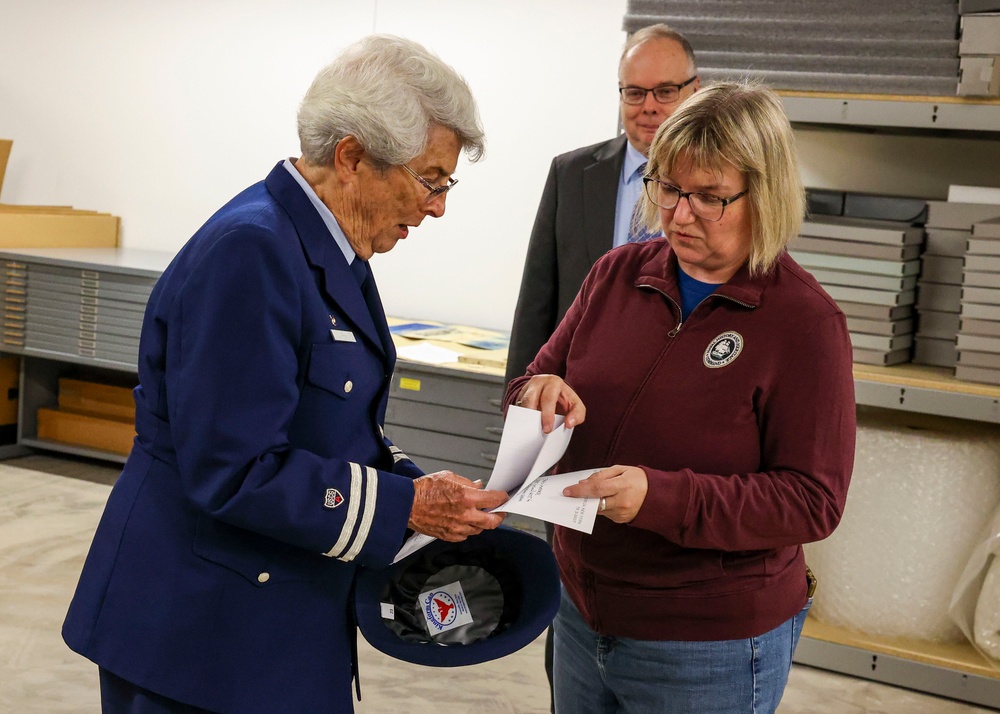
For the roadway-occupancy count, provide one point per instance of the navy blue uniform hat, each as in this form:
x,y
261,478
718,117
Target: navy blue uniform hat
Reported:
x,y
453,604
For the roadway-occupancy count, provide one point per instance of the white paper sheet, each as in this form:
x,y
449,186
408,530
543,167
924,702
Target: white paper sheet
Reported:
x,y
525,454
431,354
542,498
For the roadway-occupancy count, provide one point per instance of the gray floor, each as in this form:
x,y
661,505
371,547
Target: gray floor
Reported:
x,y
49,507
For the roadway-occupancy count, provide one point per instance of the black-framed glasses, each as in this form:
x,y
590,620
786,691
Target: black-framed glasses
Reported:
x,y
704,205
664,94
435,191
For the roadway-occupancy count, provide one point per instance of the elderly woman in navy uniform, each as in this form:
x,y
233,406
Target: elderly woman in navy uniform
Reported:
x,y
220,575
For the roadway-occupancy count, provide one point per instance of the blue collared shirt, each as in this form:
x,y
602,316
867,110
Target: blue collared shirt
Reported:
x,y
325,213
629,190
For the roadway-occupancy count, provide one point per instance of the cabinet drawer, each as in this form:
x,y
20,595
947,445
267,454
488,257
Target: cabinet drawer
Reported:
x,y
465,392
430,464
446,447
448,420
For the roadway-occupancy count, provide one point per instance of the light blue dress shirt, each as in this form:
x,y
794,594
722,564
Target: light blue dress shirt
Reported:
x,y
629,190
325,213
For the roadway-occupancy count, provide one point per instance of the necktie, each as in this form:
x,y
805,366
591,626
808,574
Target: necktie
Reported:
x,y
360,272
637,233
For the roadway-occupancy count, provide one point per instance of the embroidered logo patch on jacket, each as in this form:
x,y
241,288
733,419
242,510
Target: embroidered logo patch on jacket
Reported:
x,y
333,498
723,349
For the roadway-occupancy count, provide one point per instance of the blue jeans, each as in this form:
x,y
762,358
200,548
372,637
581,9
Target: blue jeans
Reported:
x,y
617,675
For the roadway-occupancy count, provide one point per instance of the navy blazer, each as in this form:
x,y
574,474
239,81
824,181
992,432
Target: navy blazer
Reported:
x,y
574,226
260,478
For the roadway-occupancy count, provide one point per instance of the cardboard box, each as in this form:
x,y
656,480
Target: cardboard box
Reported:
x,y
978,343
864,230
979,311
941,269
935,352
986,229
959,216
103,400
871,297
981,327
863,356
860,265
854,249
868,311
849,278
881,327
882,343
980,35
67,427
982,279
56,227
989,360
946,241
10,379
5,145
977,374
940,325
979,76
940,297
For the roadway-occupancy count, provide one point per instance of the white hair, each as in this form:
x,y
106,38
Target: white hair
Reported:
x,y
387,92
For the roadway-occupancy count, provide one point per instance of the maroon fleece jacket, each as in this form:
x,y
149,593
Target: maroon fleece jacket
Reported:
x,y
747,457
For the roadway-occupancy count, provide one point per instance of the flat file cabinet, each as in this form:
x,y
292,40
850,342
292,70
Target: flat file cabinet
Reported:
x,y
72,312
446,417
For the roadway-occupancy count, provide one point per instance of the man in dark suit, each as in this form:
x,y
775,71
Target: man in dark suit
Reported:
x,y
589,196
220,576
587,203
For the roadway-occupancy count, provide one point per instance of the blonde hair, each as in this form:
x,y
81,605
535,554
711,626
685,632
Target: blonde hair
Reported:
x,y
739,124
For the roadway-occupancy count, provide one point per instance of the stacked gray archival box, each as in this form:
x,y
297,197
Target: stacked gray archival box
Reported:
x,y
870,268
979,334
939,292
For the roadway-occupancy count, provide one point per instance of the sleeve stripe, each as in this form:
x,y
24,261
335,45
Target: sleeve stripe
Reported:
x,y
371,499
353,506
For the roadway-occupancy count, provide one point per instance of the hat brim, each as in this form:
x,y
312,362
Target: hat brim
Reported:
x,y
539,601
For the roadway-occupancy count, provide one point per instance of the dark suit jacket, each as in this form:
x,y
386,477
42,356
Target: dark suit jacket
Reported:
x,y
221,571
574,226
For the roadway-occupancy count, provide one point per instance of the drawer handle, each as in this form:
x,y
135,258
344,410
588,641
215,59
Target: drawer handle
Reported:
x,y
498,430
492,458
496,403
90,274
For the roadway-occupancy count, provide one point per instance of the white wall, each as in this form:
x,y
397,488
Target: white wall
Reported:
x,y
160,111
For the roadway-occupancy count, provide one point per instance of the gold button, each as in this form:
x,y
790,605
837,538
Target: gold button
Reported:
x,y
263,577
348,386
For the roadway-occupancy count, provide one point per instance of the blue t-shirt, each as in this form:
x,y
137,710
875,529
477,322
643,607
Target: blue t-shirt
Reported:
x,y
692,292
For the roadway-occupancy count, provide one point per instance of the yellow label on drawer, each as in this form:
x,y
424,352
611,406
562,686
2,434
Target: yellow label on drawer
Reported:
x,y
407,383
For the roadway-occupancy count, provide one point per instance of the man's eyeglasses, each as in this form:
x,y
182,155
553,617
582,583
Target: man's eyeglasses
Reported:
x,y
664,94
435,191
704,205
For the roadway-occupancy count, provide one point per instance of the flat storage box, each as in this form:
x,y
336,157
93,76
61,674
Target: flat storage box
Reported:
x,y
104,400
112,435
980,35
946,241
987,229
979,76
959,216
56,227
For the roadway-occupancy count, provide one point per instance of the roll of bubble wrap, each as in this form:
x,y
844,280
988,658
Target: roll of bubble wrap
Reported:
x,y
921,493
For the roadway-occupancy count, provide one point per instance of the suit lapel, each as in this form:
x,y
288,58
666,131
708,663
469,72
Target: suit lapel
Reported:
x,y
600,192
322,253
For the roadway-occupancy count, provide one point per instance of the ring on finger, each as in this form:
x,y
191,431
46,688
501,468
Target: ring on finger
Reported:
x,y
604,504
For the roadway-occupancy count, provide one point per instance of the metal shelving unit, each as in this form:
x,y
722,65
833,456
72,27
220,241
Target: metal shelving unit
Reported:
x,y
958,671
944,114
